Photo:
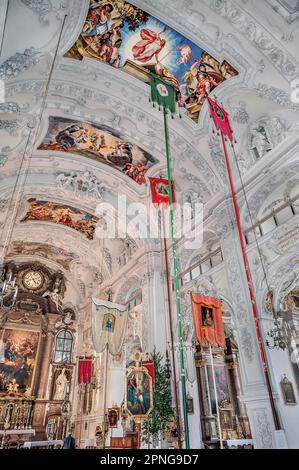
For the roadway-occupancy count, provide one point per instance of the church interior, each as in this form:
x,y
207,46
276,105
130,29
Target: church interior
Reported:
x,y
149,224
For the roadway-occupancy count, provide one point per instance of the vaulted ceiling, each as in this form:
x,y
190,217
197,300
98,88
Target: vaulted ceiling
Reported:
x,y
114,105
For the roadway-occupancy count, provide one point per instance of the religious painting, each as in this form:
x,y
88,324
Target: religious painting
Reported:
x,y
222,389
100,143
288,391
50,252
207,317
139,392
190,404
113,417
47,211
19,360
226,419
126,37
109,322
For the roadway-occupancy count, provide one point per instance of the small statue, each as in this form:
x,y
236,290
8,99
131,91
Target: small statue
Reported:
x,y
55,293
28,392
13,387
260,143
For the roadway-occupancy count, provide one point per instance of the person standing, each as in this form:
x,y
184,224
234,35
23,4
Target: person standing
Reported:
x,y
69,442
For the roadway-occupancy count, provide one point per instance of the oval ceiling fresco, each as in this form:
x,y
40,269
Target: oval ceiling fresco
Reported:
x,y
126,37
100,143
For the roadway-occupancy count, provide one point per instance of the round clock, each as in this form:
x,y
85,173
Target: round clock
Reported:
x,y
33,280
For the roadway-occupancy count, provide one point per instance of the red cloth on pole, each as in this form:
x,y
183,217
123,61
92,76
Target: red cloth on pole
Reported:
x,y
151,369
209,330
84,370
159,189
220,118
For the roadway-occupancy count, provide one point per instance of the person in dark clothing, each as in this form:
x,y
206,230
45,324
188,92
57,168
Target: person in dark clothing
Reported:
x,y
69,442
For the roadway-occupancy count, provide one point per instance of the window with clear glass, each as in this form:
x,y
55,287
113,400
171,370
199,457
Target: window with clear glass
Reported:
x,y
63,347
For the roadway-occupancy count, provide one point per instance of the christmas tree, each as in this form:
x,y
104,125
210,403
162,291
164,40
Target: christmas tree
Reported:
x,y
163,409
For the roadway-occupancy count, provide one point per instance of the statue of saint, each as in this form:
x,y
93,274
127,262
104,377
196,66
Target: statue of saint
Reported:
x,y
60,386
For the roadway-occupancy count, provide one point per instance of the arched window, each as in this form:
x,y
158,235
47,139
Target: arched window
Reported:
x,y
63,347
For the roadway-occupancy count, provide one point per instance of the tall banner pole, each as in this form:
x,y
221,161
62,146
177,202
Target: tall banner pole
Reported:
x,y
176,284
176,398
250,289
81,397
105,395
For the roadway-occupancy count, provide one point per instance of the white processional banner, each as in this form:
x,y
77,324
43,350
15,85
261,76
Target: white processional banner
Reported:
x,y
109,325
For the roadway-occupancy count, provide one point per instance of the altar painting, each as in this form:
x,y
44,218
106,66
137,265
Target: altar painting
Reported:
x,y
19,360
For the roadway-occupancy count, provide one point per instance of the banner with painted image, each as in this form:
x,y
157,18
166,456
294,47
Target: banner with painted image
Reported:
x,y
207,317
109,325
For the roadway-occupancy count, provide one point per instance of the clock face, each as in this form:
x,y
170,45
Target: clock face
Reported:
x,y
33,280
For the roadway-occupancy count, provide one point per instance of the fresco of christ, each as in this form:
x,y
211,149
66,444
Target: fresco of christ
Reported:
x,y
149,46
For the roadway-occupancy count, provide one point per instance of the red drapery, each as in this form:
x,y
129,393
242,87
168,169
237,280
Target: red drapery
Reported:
x,y
159,189
206,334
151,369
220,118
85,369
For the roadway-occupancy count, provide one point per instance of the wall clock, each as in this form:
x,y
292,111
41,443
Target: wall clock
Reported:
x,y
33,280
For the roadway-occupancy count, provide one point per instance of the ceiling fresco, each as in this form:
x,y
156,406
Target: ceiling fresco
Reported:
x,y
126,37
47,211
100,143
50,252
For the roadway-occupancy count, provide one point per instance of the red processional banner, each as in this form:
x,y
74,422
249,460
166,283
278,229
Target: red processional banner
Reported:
x,y
220,118
207,317
85,370
159,189
151,369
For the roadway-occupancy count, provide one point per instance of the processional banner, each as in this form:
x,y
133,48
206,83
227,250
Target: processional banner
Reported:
x,y
207,316
109,325
85,370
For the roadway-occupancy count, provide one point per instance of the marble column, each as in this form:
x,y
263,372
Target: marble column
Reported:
x,y
155,307
255,394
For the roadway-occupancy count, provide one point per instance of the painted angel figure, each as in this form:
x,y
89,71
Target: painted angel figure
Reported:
x,y
149,46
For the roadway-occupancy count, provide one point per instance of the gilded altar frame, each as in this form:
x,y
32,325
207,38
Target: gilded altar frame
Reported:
x,y
137,373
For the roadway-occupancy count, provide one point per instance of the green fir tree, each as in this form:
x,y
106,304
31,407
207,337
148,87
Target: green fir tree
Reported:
x,y
163,410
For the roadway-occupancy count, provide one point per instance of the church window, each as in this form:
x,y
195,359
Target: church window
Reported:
x,y
63,347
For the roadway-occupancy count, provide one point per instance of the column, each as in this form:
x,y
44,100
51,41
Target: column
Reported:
x,y
255,394
154,302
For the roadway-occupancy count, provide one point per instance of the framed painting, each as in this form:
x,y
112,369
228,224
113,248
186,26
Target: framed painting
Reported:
x,y
113,417
288,392
222,389
226,419
139,393
20,354
190,405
